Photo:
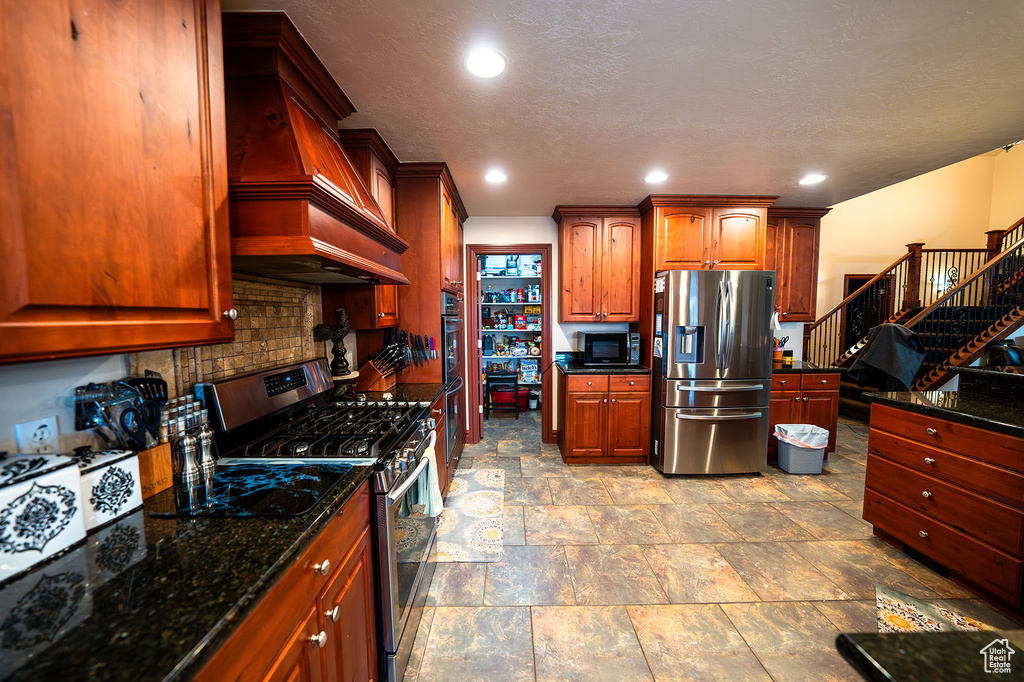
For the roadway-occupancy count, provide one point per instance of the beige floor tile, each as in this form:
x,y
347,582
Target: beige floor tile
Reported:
x,y
696,574
694,642
518,448
572,490
519,491
851,485
857,567
512,528
854,508
554,525
694,523
627,525
759,522
419,646
850,616
510,465
825,521
943,587
636,491
483,643
528,576
631,471
776,572
694,490
586,643
543,466
807,488
793,641
753,489
612,574
841,464
457,584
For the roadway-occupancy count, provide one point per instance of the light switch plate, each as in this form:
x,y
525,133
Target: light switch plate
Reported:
x,y
40,435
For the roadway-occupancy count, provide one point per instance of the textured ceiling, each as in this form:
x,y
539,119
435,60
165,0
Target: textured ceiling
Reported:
x,y
727,97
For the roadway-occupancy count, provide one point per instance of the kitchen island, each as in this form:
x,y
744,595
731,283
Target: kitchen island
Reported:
x,y
928,655
183,588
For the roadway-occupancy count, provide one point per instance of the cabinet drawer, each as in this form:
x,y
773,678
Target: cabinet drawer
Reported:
x,y
819,382
628,383
988,446
785,382
999,484
992,522
587,383
975,562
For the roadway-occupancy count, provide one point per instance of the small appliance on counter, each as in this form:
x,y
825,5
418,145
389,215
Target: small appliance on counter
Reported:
x,y
609,349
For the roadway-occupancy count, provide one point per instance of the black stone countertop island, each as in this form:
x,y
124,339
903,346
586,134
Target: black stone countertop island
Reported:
x,y
929,656
189,583
805,367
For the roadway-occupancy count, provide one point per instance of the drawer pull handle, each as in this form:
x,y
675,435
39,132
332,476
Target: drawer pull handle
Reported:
x,y
929,460
923,533
322,568
320,640
930,431
334,614
925,493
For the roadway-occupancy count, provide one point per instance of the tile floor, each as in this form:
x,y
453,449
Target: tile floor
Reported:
x,y
617,573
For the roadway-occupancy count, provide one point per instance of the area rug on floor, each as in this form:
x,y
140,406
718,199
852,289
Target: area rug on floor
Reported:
x,y
899,613
470,527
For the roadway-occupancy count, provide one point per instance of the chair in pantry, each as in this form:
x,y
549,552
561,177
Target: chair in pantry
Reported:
x,y
500,393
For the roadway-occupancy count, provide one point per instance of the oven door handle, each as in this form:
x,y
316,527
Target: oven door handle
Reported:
x,y
417,472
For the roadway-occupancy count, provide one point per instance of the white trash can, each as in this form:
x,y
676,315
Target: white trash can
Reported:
x,y
801,447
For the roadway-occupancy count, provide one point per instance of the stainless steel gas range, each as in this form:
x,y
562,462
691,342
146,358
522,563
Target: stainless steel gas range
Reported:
x,y
286,415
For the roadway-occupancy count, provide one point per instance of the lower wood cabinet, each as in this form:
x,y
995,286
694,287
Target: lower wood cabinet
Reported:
x,y
804,399
605,418
445,469
318,622
953,493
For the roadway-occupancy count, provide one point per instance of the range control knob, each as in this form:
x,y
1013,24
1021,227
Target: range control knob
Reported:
x,y
403,465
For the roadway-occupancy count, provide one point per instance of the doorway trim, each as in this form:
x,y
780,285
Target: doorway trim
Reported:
x,y
474,362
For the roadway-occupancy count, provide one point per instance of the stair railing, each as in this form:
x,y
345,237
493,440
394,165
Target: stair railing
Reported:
x,y
881,298
972,309
943,269
998,240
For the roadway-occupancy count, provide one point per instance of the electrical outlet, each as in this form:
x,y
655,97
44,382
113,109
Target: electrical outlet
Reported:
x,y
41,435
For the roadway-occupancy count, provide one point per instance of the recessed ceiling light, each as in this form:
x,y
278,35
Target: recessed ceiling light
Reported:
x,y
485,62
656,176
495,176
812,179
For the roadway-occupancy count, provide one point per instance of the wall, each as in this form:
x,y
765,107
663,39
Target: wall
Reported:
x,y
947,208
274,327
1007,188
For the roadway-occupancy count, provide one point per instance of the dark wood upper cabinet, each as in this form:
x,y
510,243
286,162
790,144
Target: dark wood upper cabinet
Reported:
x,y
795,248
299,208
599,253
113,197
737,238
684,242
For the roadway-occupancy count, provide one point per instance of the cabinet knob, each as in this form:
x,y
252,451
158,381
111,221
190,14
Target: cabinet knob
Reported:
x,y
782,314
716,262
806,399
323,567
590,383
380,314
925,494
334,614
783,382
824,381
320,640
606,314
707,262
631,383
606,400
930,431
929,460
231,314
923,533
613,400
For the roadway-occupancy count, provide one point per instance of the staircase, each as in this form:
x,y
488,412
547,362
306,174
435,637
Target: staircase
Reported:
x,y
957,300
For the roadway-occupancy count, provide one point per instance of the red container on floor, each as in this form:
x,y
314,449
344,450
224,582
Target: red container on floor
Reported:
x,y
505,397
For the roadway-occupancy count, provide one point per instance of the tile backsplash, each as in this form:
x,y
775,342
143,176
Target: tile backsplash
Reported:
x,y
274,327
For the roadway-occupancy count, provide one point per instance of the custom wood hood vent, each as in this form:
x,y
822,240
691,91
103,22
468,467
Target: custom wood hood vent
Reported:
x,y
299,210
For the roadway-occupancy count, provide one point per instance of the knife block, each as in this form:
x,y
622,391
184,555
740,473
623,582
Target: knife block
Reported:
x,y
370,379
155,471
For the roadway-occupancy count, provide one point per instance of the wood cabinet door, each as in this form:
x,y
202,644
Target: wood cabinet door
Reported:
x,y
737,239
586,424
629,424
349,619
620,270
113,196
447,266
386,298
580,257
301,659
798,273
383,190
683,239
821,408
783,408
772,253
440,455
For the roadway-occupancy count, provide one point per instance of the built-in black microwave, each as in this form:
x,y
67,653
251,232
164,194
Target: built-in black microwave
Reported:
x,y
609,348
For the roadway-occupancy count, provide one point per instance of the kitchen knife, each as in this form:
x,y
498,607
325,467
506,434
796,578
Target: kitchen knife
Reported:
x,y
423,347
415,351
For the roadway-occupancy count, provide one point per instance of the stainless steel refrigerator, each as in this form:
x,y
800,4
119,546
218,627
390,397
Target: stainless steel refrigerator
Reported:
x,y
712,370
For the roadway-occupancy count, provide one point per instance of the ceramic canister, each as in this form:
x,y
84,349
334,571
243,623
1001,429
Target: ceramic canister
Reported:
x,y
40,509
110,485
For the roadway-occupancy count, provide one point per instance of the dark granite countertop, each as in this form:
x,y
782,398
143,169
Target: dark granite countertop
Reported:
x,y
167,611
927,656
973,409
805,367
574,367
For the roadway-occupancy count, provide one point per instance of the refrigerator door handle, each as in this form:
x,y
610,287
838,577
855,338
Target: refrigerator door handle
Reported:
x,y
720,326
728,323
713,418
720,389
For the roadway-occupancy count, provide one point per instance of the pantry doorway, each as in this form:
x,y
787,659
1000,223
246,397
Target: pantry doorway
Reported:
x,y
508,314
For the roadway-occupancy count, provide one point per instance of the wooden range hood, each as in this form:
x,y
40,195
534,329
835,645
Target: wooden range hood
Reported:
x,y
299,210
